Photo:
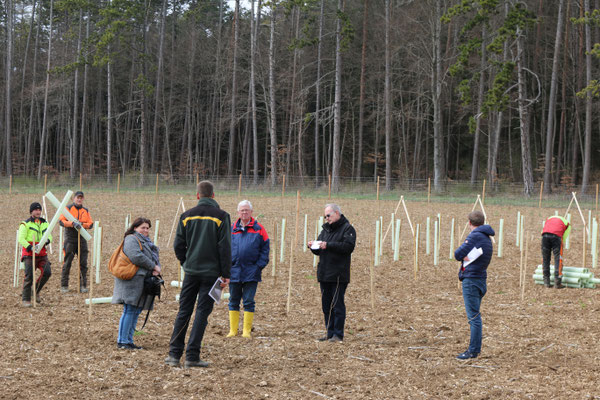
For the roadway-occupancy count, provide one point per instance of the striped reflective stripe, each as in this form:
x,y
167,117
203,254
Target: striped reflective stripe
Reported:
x,y
215,220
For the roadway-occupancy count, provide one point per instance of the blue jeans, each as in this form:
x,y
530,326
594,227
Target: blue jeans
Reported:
x,y
334,308
242,291
194,287
128,322
473,291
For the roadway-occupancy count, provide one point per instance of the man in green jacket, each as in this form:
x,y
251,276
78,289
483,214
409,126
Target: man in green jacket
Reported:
x,y
30,233
203,247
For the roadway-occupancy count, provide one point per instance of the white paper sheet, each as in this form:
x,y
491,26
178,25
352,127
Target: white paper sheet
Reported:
x,y
472,256
216,291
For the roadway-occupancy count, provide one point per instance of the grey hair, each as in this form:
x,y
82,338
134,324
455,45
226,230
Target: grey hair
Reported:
x,y
334,207
244,203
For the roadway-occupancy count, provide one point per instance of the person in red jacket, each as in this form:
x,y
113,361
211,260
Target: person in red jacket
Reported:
x,y
74,243
556,229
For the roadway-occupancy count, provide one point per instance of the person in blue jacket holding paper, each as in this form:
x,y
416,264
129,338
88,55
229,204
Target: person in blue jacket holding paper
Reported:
x,y
249,255
473,275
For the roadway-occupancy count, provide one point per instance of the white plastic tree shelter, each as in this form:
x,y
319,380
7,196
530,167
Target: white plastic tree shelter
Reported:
x,y
46,218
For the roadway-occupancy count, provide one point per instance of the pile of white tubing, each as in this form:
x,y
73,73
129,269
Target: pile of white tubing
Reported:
x,y
573,277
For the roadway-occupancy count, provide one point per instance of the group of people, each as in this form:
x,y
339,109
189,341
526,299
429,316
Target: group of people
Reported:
x,y
213,251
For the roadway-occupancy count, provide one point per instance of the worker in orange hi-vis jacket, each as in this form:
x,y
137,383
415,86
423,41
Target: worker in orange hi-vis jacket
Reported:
x,y
556,230
74,243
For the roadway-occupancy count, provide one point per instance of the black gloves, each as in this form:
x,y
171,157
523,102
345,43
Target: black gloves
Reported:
x,y
77,225
29,248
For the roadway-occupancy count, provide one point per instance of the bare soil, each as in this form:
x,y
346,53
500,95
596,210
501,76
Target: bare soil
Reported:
x,y
545,346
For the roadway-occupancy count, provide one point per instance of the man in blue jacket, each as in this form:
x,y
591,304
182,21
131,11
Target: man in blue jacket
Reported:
x,y
249,255
473,274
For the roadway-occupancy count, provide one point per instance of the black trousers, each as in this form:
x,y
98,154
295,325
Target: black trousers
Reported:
x,y
551,243
43,265
193,287
70,251
334,308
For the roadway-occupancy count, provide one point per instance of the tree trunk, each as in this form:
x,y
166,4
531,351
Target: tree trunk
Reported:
x,y
478,115
74,145
438,140
45,115
337,105
552,102
387,101
84,100
158,88
318,96
273,126
233,118
29,145
587,149
8,85
361,104
524,119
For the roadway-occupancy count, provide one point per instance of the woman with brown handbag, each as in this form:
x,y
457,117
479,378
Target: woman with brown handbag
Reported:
x,y
140,250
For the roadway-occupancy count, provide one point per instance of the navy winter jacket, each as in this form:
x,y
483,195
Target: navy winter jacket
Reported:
x,y
480,238
249,251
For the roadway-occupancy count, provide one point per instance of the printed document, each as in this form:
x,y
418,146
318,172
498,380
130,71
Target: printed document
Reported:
x,y
216,291
472,256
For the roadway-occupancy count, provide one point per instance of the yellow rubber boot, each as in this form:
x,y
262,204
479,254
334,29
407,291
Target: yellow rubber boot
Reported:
x,y
248,318
234,320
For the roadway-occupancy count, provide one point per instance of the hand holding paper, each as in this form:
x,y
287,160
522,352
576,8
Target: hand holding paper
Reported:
x,y
472,256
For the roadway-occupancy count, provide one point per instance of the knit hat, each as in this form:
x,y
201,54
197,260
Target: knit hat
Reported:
x,y
34,206
78,193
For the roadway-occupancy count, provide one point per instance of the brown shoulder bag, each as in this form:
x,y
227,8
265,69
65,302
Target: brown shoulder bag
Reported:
x,y
120,265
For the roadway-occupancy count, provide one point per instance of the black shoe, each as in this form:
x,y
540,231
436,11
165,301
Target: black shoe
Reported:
x,y
335,339
547,281
172,361
83,289
195,364
134,347
466,355
558,283
323,339
125,346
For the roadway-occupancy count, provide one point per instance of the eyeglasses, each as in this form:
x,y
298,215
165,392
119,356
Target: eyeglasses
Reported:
x,y
327,216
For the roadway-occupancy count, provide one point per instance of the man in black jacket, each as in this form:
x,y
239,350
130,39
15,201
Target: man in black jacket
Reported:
x,y
334,246
203,247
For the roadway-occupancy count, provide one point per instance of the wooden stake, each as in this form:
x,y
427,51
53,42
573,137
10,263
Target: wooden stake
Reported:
x,y
156,190
329,195
283,186
79,260
467,224
416,237
175,220
119,182
372,271
45,183
407,215
483,193
80,181
580,213
584,247
289,293
428,190
10,184
377,191
34,294
541,192
240,186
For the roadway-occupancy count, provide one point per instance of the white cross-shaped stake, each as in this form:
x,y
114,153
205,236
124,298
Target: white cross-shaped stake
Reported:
x,y
60,209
